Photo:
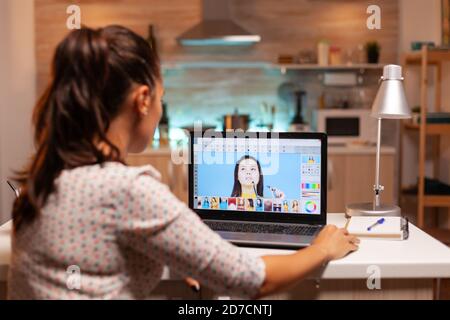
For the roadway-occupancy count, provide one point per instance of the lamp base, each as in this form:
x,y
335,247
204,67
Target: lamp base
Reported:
x,y
367,209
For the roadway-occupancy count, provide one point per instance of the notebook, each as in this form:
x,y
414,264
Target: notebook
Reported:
x,y
390,228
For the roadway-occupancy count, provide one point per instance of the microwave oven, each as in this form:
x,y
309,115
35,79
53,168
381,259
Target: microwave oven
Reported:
x,y
347,125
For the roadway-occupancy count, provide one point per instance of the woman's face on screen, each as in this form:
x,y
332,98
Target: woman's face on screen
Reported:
x,y
248,173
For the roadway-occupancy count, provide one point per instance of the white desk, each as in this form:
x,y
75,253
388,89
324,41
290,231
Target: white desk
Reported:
x,y
5,249
407,268
421,256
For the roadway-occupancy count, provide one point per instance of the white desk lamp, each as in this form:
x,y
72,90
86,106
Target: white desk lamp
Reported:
x,y
390,103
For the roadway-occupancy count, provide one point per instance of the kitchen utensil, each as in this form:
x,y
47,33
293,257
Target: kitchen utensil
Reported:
x,y
164,127
293,94
236,121
298,124
268,116
203,128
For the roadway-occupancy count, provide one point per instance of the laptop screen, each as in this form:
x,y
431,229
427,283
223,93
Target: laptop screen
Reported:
x,y
257,175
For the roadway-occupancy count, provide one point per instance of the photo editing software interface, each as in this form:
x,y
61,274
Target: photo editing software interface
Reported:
x,y
260,175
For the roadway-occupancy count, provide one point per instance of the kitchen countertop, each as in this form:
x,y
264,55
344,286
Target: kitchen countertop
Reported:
x,y
421,256
332,150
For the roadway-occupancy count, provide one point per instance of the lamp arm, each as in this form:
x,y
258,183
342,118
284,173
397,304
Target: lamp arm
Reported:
x,y
377,187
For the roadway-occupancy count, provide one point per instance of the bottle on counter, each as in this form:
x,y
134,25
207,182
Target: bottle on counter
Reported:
x,y
321,101
163,127
151,39
298,124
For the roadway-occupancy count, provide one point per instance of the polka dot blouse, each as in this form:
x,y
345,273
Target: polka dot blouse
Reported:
x,y
108,231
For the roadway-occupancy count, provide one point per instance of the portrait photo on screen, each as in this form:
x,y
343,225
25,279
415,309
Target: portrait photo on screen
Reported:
x,y
247,178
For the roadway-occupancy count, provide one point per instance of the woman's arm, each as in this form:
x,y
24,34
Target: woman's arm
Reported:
x,y
297,266
156,224
284,270
161,227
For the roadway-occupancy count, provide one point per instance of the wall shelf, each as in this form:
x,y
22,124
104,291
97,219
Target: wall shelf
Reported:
x,y
433,57
362,66
265,65
216,65
430,129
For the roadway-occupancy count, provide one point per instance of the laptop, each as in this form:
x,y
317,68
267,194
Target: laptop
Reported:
x,y
260,189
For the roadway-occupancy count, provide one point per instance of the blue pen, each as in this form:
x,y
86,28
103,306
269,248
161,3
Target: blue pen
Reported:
x,y
379,221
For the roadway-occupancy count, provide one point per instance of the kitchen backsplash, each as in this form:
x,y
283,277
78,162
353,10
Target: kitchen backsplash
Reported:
x,y
207,94
286,27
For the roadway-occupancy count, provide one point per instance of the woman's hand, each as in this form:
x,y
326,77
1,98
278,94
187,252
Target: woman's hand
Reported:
x,y
193,284
284,270
335,243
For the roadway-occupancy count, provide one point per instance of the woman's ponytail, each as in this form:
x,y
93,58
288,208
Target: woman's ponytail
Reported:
x,y
92,72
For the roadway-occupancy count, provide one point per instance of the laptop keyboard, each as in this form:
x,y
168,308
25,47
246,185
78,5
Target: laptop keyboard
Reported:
x,y
304,230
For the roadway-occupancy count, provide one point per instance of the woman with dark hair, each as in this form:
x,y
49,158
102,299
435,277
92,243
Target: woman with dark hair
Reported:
x,y
81,208
206,204
248,178
295,206
259,204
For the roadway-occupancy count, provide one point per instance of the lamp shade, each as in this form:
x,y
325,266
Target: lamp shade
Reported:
x,y
390,101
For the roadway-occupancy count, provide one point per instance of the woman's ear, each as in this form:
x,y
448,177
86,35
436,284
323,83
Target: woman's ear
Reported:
x,y
142,100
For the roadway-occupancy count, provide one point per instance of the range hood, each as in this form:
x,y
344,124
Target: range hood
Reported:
x,y
217,28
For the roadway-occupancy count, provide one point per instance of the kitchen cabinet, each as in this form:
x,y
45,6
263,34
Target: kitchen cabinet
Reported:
x,y
351,174
351,178
174,175
336,183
